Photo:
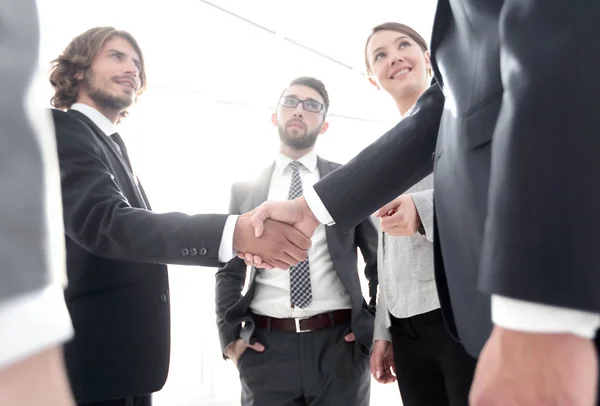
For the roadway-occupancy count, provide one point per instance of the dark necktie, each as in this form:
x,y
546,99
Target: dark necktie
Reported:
x,y
300,290
122,149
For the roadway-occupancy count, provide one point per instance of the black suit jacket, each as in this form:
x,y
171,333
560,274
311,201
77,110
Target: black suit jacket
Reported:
x,y
516,161
233,309
118,292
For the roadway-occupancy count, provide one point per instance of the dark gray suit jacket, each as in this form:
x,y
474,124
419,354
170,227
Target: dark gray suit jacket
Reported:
x,y
517,172
233,309
117,248
28,182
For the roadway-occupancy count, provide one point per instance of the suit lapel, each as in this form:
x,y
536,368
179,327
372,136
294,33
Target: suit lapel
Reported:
x,y
261,191
116,154
325,167
144,196
259,195
440,23
101,136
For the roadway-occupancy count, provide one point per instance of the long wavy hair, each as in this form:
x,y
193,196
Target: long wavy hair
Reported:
x,y
78,57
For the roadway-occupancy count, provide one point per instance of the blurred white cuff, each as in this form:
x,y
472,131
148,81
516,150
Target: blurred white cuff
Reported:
x,y
33,322
317,207
226,252
533,317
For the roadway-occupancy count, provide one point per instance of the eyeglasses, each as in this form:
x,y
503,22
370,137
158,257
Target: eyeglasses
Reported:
x,y
308,105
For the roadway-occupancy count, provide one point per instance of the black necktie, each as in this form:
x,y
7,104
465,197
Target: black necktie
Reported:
x,y
123,150
119,141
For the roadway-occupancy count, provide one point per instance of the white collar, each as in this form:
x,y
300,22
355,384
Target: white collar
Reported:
x,y
408,112
309,161
97,118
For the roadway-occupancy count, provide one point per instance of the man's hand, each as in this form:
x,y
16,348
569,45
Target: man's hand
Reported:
x,y
235,350
383,367
279,245
294,212
400,217
527,369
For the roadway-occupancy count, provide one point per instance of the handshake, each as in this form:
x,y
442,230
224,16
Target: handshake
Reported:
x,y
275,234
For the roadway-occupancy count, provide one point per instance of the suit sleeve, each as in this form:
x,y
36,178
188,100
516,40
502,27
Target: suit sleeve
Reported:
x,y
381,332
33,313
366,239
228,289
387,168
98,217
541,236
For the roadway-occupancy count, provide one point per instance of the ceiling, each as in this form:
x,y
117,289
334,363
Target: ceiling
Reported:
x,y
334,28
241,51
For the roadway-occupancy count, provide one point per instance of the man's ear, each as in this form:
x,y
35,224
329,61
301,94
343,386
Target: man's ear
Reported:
x,y
324,127
274,119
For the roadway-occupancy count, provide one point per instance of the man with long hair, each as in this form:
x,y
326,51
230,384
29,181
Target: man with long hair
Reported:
x,y
118,295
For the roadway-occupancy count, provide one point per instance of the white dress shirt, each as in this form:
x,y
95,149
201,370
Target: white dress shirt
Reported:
x,y
272,294
108,128
507,312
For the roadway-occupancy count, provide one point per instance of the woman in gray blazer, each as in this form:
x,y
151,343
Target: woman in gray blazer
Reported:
x,y
410,337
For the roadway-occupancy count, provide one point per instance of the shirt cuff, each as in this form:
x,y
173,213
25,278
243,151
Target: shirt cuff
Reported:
x,y
33,322
317,207
533,317
226,252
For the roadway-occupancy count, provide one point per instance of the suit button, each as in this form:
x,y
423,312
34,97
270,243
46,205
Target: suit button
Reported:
x,y
164,298
193,252
184,252
203,251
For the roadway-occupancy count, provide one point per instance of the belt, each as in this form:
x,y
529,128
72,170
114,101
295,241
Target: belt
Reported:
x,y
304,324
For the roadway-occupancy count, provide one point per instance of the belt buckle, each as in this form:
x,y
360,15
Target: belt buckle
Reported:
x,y
298,328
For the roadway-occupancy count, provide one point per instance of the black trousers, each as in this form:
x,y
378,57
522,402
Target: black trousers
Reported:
x,y
317,368
431,367
143,400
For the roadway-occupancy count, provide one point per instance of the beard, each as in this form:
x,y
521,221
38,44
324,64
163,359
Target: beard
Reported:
x,y
101,97
297,142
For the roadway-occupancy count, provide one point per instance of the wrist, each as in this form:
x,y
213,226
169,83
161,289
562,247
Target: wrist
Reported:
x,y
307,212
230,350
238,233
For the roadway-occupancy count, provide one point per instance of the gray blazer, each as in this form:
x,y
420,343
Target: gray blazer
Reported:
x,y
405,268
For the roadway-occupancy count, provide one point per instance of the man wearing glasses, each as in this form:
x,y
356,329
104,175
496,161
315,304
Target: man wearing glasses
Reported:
x,y
303,335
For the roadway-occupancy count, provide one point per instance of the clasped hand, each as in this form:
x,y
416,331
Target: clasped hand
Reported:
x,y
276,234
400,217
